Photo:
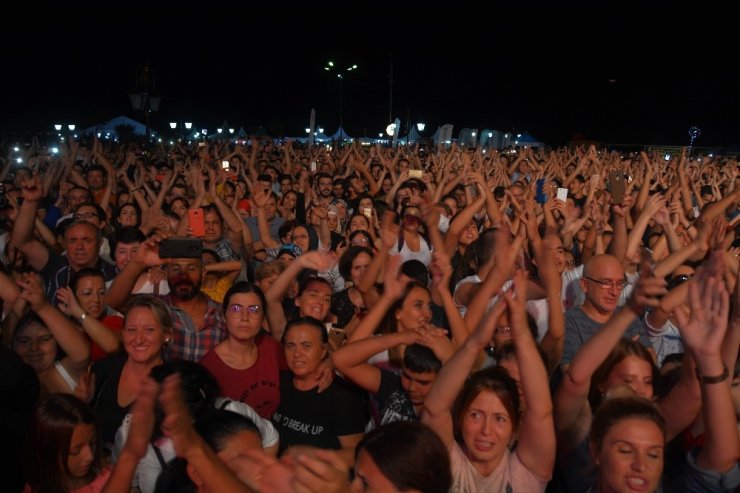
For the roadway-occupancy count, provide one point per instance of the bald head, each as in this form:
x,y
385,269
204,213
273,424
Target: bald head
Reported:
x,y
604,265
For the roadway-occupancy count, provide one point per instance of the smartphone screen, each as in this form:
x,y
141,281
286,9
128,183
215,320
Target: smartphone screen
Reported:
x,y
225,164
197,222
562,194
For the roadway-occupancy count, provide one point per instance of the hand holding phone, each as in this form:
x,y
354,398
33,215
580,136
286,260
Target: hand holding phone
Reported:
x,y
197,222
617,186
415,173
562,194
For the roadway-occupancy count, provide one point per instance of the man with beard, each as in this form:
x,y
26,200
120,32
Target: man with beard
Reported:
x,y
198,324
324,188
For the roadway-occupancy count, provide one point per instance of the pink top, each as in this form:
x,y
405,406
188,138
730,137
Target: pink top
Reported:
x,y
95,486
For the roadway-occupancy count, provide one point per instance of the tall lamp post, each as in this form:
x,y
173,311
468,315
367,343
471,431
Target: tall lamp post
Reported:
x,y
142,100
332,67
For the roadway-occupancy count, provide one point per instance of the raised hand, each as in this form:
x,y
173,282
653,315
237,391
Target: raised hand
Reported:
x,y
32,290
142,419
177,424
316,260
704,329
32,189
441,269
394,283
68,303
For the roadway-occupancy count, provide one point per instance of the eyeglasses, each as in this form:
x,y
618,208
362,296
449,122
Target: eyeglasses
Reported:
x,y
608,284
236,311
502,330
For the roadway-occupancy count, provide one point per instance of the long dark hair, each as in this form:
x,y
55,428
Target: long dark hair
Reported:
x,y
47,448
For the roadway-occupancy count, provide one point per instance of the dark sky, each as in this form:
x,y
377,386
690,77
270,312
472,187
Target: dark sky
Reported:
x,y
620,72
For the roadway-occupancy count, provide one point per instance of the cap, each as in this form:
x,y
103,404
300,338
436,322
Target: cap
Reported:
x,y
290,249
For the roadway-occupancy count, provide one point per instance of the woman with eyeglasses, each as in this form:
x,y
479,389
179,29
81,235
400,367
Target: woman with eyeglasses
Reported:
x,y
248,362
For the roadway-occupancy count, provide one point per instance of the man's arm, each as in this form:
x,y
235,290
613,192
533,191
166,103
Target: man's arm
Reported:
x,y
22,236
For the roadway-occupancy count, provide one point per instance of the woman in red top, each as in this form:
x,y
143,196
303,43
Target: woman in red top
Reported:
x,y
247,363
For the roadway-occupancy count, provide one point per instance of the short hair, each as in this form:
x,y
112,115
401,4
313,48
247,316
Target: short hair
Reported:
x,y
96,167
74,280
308,280
311,322
421,359
410,455
212,253
264,177
127,236
416,270
98,233
617,409
47,449
214,210
221,425
99,212
268,269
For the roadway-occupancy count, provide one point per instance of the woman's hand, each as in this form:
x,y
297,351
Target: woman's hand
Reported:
x,y
142,419
325,374
177,424
68,303
32,290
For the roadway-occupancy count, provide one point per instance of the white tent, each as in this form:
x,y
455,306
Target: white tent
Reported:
x,y
109,127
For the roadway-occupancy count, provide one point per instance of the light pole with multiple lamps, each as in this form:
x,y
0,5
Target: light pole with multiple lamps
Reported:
x,y
332,67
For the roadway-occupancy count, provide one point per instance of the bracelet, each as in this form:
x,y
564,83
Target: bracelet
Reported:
x,y
82,318
716,379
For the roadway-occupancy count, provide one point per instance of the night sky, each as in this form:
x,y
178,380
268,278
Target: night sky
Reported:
x,y
617,72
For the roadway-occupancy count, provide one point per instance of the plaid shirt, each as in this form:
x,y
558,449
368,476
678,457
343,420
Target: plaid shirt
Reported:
x,y
57,272
191,342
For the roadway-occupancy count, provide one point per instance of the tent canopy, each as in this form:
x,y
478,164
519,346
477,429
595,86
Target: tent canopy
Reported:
x,y
109,127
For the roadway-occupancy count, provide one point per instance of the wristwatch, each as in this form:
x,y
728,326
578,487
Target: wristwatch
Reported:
x,y
82,318
715,379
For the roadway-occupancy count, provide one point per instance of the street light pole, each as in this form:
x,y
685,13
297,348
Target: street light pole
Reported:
x,y
331,66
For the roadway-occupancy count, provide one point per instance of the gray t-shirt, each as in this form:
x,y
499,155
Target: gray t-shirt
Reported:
x,y
579,328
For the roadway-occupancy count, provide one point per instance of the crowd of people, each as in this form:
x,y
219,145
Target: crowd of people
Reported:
x,y
269,317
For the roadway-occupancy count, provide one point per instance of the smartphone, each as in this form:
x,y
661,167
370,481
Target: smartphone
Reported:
x,y
201,144
181,248
540,196
617,186
336,336
313,166
225,164
197,222
415,173
562,194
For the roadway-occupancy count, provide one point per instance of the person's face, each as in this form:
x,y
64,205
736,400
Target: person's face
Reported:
x,y
634,372
142,335
315,300
517,193
358,185
369,478
387,185
325,187
90,293
358,222
128,216
270,208
486,428
554,245
214,228
338,190
403,165
289,201
89,214
332,221
469,234
301,239
285,185
359,267
341,210
417,385
82,245
411,219
304,350
178,207
285,259
404,194
81,450
244,316
575,187
452,203
124,253
36,346
234,454
416,310
366,202
603,299
502,332
178,191
266,282
631,457
184,277
95,179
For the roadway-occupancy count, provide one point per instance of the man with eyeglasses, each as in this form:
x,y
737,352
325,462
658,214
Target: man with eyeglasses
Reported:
x,y
198,324
82,240
603,282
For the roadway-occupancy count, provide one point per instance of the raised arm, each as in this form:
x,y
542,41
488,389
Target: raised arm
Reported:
x,y
108,341
536,447
22,236
438,403
123,284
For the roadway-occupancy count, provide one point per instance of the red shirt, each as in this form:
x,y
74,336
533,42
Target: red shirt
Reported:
x,y
259,385
114,323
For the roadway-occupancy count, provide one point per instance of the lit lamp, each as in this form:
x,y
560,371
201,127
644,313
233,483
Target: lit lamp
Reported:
x,y
58,127
420,127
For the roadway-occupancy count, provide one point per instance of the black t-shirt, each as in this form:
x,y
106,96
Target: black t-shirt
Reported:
x,y
393,402
310,418
108,414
